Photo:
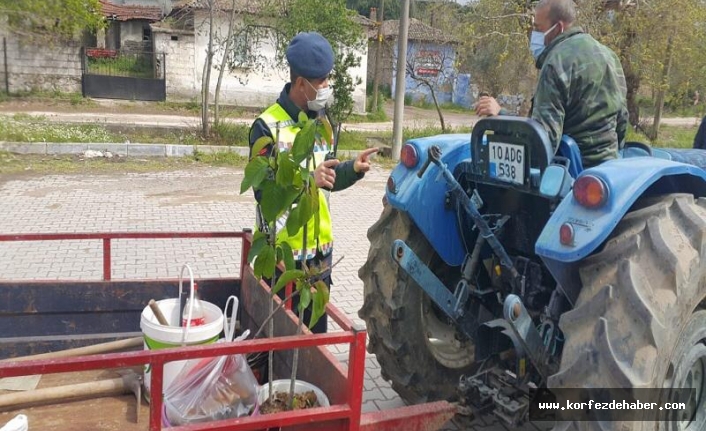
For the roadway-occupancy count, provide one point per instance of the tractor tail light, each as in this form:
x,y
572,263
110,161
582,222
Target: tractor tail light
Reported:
x,y
566,234
409,156
590,191
391,186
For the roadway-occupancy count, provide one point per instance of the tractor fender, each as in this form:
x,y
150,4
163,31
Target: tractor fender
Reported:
x,y
424,199
626,180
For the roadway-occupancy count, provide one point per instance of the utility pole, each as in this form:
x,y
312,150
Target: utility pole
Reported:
x,y
378,56
401,74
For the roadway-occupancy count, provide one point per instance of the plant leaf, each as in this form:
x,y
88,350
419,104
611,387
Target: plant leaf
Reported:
x,y
304,142
304,295
320,299
287,256
285,169
260,143
265,263
304,208
287,277
272,201
259,240
303,117
255,172
294,221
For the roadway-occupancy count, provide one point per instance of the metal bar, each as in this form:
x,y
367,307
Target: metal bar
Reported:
x,y
356,373
421,417
274,420
130,359
288,294
106,259
156,382
118,235
7,73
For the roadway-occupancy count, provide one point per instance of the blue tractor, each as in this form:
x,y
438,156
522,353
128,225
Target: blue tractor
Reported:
x,y
499,268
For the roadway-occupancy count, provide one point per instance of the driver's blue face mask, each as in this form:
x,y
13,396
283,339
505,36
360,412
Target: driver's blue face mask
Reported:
x,y
537,41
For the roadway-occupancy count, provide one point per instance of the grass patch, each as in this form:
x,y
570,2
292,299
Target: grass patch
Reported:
x,y
31,129
220,158
669,137
15,164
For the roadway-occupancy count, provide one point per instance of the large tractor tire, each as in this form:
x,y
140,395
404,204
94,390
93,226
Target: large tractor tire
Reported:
x,y
640,319
418,350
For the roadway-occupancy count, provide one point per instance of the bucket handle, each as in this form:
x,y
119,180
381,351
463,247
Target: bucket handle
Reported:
x,y
191,303
229,327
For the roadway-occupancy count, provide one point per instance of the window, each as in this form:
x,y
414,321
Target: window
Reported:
x,y
146,34
175,37
240,56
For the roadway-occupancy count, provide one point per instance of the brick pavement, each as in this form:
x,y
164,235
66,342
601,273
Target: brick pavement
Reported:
x,y
198,199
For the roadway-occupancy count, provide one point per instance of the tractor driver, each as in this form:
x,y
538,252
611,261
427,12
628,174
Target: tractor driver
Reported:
x,y
581,90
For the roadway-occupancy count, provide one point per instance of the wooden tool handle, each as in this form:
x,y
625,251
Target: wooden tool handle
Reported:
x,y
65,393
112,346
158,313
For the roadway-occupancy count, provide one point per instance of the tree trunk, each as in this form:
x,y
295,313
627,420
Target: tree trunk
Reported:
x,y
664,86
224,62
438,108
378,58
207,73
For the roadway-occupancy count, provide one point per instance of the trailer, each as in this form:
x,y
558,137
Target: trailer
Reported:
x,y
37,317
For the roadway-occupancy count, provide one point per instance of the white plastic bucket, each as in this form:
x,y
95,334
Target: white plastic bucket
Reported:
x,y
157,336
283,386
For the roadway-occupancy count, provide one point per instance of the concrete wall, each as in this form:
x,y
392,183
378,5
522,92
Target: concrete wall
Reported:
x,y
42,66
180,63
255,87
443,82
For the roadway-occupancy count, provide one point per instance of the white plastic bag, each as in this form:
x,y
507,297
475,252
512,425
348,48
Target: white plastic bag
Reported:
x,y
217,388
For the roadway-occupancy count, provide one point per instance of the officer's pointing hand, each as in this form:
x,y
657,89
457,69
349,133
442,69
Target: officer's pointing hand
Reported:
x,y
362,162
325,175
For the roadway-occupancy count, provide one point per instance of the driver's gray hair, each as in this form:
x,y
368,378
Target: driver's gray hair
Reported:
x,y
559,10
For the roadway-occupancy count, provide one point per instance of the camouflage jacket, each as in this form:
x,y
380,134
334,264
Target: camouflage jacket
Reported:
x,y
582,93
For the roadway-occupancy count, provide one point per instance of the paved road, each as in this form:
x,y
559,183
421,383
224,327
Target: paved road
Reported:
x,y
198,199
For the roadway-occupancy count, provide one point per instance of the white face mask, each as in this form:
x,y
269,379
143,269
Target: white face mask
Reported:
x,y
537,41
322,96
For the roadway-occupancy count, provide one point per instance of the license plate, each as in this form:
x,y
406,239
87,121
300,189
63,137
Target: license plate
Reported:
x,y
507,162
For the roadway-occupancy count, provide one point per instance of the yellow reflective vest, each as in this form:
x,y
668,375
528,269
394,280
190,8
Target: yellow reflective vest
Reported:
x,y
281,126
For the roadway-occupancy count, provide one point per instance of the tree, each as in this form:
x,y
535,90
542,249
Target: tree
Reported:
x,y
432,70
49,19
340,27
284,181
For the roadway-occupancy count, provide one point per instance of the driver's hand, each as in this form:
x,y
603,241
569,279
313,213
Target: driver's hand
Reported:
x,y
325,174
487,106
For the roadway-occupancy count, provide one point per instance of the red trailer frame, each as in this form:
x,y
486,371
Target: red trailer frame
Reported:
x,y
339,416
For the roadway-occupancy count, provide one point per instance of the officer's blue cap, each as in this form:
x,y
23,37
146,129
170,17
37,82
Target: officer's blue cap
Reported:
x,y
310,56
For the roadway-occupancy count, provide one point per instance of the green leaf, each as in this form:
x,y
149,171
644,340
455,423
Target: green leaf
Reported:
x,y
272,201
265,263
318,309
327,130
322,288
315,196
294,221
287,256
304,142
286,169
261,143
303,117
255,172
305,209
259,241
304,295
287,277
291,195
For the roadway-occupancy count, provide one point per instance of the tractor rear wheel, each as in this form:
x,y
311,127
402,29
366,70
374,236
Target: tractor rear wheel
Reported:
x,y
640,319
418,350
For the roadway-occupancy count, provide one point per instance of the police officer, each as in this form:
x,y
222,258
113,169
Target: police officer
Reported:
x,y
310,59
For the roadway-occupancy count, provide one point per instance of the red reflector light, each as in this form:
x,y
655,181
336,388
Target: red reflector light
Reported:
x,y
566,234
391,186
409,156
590,191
